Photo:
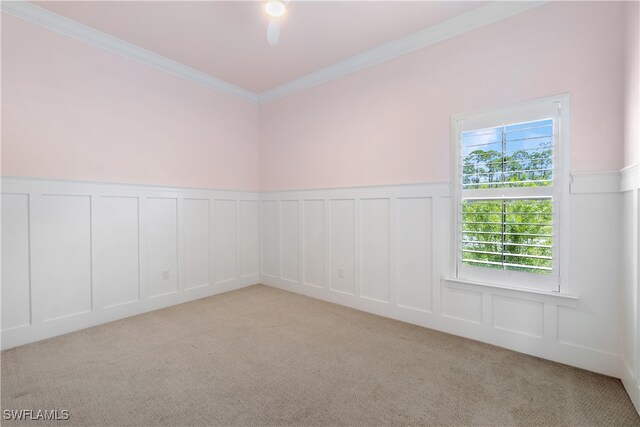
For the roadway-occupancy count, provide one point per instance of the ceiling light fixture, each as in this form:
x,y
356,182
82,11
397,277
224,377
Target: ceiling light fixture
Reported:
x,y
275,8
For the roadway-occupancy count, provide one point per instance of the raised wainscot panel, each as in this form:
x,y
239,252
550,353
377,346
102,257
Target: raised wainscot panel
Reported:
x,y
249,239
314,242
414,237
162,246
120,264
595,272
64,260
462,304
581,327
342,246
290,240
269,231
225,240
196,243
374,249
16,293
518,315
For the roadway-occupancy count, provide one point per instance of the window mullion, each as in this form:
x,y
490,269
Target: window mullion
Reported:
x,y
504,154
509,193
504,210
504,230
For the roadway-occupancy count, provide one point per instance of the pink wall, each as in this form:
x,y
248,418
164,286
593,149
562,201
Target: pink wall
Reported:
x,y
632,90
390,124
74,111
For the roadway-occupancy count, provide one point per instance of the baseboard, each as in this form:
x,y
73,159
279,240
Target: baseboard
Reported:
x,y
630,384
86,253
33,333
551,349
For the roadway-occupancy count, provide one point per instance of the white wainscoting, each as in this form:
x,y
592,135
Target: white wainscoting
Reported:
x,y
386,249
630,298
79,254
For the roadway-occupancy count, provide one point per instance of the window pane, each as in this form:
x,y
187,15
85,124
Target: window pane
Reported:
x,y
508,156
508,234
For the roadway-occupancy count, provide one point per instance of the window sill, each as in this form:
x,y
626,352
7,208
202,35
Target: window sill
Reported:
x,y
556,298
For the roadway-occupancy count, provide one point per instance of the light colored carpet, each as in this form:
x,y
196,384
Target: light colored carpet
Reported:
x,y
261,356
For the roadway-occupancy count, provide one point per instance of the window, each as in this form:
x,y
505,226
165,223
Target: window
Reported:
x,y
510,194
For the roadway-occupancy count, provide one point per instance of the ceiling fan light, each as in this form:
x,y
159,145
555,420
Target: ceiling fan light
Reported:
x,y
275,8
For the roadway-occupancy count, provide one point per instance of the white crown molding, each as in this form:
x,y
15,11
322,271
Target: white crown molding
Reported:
x,y
466,22
630,178
41,16
484,15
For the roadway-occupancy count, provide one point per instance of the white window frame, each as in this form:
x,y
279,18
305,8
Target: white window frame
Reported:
x,y
557,108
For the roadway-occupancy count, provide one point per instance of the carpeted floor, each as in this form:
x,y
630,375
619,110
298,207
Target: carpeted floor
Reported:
x,y
261,356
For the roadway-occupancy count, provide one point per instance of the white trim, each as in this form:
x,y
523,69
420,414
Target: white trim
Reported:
x,y
630,178
595,182
469,21
373,191
583,183
44,17
476,18
630,384
584,353
556,107
32,181
66,324
97,311
545,324
592,359
557,298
